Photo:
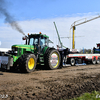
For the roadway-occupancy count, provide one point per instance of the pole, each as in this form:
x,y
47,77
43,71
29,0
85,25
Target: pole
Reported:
x,y
73,39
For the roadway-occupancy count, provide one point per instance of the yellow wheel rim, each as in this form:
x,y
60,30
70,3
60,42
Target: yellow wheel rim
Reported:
x,y
58,61
31,63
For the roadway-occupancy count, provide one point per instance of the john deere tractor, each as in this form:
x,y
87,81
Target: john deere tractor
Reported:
x,y
35,51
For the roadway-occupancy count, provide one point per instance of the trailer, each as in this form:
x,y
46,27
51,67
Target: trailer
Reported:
x,y
83,58
74,57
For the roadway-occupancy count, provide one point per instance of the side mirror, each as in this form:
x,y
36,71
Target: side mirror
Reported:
x,y
23,38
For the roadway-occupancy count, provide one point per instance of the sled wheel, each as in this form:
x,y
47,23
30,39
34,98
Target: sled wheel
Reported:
x,y
72,61
98,60
94,60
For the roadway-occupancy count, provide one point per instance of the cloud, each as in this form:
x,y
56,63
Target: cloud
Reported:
x,y
89,30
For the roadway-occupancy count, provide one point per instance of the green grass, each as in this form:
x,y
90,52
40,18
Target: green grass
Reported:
x,y
95,95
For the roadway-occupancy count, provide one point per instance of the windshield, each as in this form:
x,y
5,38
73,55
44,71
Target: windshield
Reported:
x,y
33,41
44,41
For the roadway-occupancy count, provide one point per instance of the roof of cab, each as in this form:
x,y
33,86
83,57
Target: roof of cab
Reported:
x,y
39,35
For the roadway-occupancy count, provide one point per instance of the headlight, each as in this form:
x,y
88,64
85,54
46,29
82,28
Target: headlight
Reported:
x,y
15,51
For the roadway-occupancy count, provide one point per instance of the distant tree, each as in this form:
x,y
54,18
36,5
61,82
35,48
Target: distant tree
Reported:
x,y
87,51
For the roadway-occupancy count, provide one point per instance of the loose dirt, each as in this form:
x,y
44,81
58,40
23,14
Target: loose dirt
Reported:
x,y
59,84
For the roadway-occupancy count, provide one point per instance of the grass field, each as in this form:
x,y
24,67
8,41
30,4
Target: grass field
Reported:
x,y
95,95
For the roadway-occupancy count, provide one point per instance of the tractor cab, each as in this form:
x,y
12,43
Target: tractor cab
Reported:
x,y
39,41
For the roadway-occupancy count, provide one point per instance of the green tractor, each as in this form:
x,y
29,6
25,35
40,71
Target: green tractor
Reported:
x,y
35,51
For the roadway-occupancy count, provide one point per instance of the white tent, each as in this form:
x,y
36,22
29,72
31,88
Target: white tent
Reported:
x,y
4,49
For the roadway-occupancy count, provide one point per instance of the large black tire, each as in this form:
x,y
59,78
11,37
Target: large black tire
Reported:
x,y
28,63
52,59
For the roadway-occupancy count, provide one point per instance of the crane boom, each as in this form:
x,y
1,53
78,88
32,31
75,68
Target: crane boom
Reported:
x,y
84,21
58,34
71,37
73,27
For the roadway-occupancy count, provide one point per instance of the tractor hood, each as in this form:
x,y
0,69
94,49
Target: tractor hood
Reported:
x,y
28,47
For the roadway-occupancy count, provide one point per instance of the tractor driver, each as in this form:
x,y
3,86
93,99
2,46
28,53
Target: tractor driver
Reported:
x,y
41,43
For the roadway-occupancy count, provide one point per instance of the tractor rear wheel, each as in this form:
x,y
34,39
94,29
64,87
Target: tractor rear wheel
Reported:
x,y
28,63
52,60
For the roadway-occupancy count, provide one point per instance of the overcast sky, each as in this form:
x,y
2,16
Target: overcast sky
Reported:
x,y
34,16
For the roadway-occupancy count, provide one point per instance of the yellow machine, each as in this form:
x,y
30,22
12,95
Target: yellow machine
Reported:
x,y
73,27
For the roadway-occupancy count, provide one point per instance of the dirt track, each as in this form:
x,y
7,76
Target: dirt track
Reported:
x,y
62,83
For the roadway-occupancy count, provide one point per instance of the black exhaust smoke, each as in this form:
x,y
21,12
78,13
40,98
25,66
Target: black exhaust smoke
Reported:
x,y
8,18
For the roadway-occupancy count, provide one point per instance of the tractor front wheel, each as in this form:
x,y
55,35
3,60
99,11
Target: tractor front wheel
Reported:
x,y
28,63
